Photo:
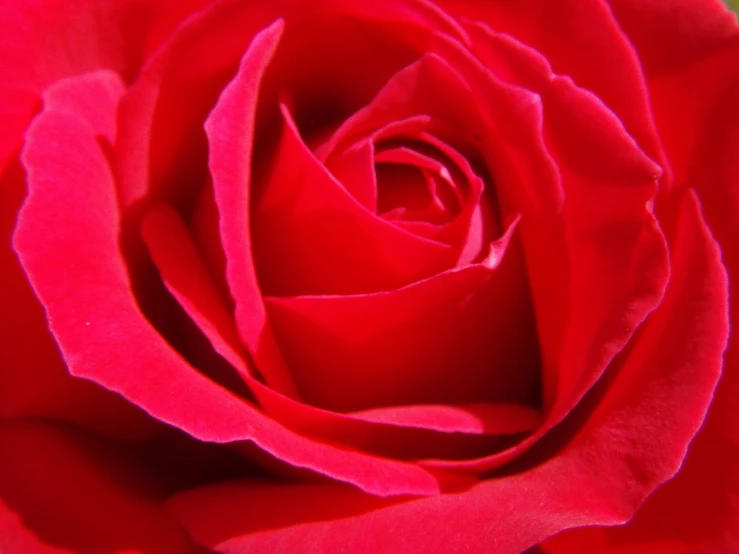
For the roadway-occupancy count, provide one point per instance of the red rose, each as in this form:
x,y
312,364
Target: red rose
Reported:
x,y
396,276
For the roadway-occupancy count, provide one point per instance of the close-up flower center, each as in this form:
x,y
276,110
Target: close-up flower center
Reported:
x,y
390,275
415,187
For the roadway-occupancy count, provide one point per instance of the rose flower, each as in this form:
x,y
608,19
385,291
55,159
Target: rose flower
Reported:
x,y
387,276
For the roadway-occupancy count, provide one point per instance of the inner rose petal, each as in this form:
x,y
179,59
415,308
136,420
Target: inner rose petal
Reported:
x,y
403,113
426,343
406,99
436,202
477,219
311,237
407,432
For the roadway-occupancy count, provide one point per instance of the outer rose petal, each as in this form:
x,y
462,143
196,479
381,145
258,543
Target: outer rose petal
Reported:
x,y
35,48
693,70
70,224
596,539
690,56
580,40
33,379
78,493
35,52
16,538
629,434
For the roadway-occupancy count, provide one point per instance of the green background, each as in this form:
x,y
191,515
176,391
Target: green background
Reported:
x,y
733,4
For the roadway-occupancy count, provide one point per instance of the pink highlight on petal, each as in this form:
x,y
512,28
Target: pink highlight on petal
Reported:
x,y
491,419
230,130
67,240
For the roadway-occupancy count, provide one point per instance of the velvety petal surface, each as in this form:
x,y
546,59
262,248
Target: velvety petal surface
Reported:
x,y
689,57
35,48
693,71
95,319
18,538
425,343
34,52
582,41
72,492
630,353
509,514
305,223
616,253
33,378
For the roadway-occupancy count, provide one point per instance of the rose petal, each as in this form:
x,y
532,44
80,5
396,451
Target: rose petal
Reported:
x,y
78,493
162,144
583,42
689,57
691,66
186,278
478,223
419,14
35,49
491,419
355,170
34,52
381,430
426,343
594,539
305,222
13,533
439,199
692,512
527,180
33,380
407,94
617,253
70,223
34,58
230,129
580,132
628,438
215,514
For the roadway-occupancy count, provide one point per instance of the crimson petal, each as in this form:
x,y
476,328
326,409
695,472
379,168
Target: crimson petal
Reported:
x,y
311,237
34,380
617,256
186,277
419,344
230,130
510,514
79,493
583,41
70,223
13,533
